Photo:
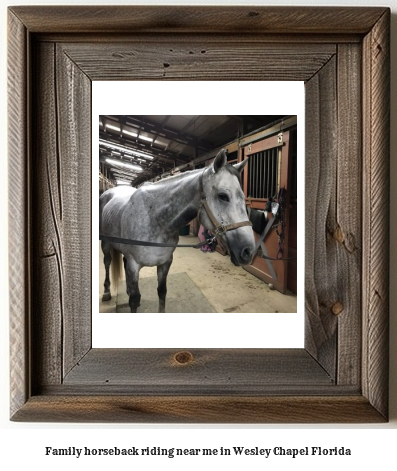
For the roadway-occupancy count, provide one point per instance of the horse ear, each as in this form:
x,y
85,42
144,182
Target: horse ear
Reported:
x,y
240,167
220,160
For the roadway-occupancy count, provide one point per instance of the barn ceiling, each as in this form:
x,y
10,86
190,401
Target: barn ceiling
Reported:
x,y
136,148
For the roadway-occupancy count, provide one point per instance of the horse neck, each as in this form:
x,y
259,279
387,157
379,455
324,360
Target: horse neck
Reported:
x,y
183,198
185,189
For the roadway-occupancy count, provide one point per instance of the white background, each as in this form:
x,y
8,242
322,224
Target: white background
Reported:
x,y
229,330
22,445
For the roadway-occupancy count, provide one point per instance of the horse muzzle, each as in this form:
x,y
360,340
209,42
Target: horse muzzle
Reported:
x,y
241,245
242,256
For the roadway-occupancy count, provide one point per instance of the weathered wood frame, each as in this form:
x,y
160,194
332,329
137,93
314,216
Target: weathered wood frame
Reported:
x,y
343,56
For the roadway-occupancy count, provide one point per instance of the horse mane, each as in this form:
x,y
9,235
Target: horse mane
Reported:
x,y
177,177
228,167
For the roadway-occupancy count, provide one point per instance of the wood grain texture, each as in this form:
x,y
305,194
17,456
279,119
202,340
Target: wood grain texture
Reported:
x,y
73,110
62,256
19,227
228,369
346,228
195,20
375,325
48,283
198,409
334,215
321,277
224,59
338,378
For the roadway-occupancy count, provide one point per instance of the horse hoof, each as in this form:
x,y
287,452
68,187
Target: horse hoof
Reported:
x,y
106,297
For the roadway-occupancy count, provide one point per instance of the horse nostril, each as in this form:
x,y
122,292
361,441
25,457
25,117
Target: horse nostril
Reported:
x,y
246,254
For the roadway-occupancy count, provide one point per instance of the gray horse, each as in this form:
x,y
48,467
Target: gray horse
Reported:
x,y
154,213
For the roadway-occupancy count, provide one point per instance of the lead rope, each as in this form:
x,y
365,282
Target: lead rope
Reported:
x,y
279,214
120,240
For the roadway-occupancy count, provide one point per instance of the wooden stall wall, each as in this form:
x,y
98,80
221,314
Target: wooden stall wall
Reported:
x,y
270,169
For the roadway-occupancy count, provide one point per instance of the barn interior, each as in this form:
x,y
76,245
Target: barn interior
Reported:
x,y
137,149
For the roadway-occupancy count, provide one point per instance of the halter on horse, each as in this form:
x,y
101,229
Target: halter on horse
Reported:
x,y
153,213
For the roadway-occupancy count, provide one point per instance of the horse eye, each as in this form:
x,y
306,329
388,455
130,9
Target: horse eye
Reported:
x,y
223,197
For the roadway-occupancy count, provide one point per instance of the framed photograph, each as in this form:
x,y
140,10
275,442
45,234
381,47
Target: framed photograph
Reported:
x,y
340,375
166,143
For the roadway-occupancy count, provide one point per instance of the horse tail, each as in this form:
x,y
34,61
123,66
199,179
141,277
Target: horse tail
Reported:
x,y
116,267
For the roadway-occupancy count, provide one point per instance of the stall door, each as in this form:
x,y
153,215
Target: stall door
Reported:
x,y
268,171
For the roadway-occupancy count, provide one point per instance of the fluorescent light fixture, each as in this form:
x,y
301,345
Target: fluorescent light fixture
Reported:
x,y
120,163
144,156
145,138
111,126
126,150
130,133
122,182
109,145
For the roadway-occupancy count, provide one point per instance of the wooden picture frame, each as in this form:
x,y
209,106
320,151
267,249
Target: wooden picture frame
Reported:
x,y
342,54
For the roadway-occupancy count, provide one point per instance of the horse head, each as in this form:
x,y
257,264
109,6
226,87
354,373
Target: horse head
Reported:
x,y
225,213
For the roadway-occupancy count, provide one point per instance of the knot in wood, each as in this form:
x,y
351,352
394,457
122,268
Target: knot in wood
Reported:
x,y
183,358
337,308
338,235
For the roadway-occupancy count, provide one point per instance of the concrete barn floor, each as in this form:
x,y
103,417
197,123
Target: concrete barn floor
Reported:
x,y
200,282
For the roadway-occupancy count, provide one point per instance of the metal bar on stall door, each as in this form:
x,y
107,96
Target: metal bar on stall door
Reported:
x,y
258,188
260,173
272,172
270,189
263,171
253,175
279,155
267,175
249,179
275,171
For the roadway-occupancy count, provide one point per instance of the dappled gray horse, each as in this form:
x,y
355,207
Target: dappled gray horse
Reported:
x,y
154,213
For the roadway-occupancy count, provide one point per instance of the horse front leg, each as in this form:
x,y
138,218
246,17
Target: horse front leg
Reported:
x,y
132,282
107,259
162,273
